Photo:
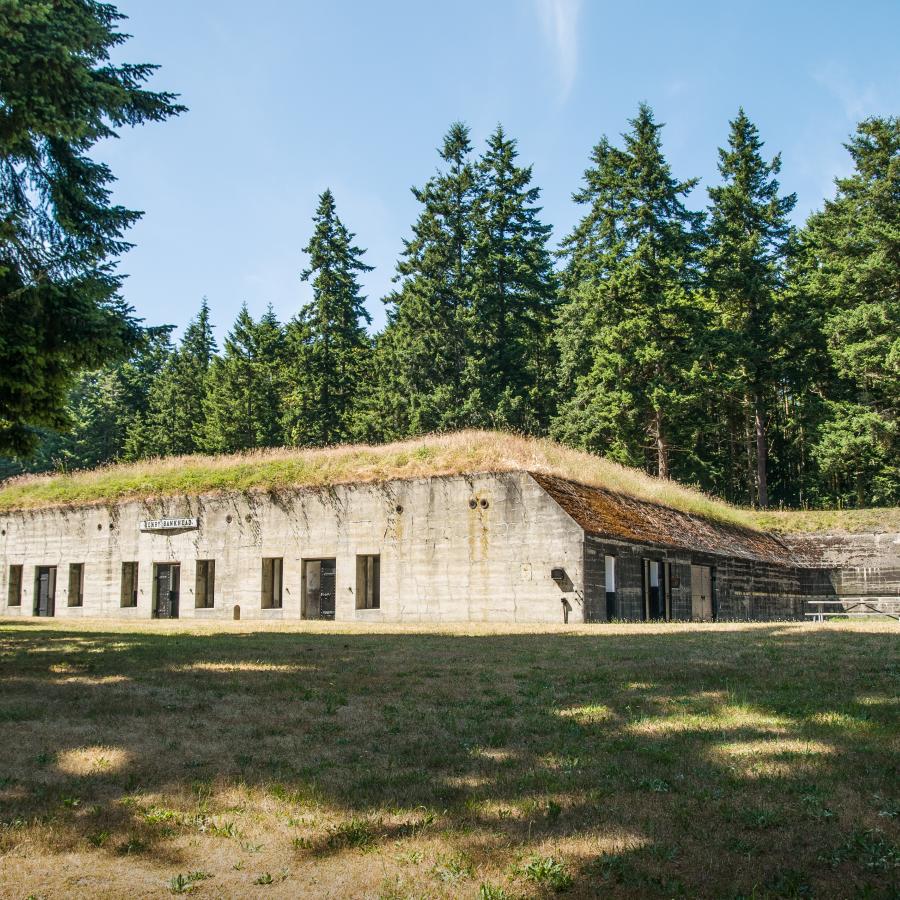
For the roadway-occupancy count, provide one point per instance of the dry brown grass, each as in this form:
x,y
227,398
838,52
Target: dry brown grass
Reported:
x,y
433,455
341,760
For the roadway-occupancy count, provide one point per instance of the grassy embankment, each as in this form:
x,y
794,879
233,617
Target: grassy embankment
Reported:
x,y
641,761
434,455
452,454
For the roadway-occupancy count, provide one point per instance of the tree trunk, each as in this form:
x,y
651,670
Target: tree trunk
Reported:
x,y
662,448
762,449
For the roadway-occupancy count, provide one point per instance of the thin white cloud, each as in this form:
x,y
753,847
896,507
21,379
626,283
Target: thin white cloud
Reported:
x,y
857,101
559,20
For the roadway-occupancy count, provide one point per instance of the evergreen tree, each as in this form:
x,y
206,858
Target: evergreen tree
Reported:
x,y
176,415
511,361
60,235
328,347
426,343
136,376
631,330
243,398
102,408
748,234
852,261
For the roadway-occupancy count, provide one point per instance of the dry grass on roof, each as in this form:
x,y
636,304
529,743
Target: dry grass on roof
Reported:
x,y
429,456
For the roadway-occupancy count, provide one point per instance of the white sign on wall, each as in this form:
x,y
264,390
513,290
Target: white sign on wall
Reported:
x,y
168,524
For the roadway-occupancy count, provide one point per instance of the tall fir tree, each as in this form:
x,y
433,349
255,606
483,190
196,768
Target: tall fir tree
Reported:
x,y
631,330
749,234
243,396
328,347
60,233
852,266
176,414
424,351
513,293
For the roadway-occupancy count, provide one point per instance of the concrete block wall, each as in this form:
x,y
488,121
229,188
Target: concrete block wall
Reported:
x,y
477,548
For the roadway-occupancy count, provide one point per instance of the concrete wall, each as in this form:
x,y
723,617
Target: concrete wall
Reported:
x,y
441,559
852,568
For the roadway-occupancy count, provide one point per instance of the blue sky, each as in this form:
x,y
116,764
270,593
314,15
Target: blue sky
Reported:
x,y
288,98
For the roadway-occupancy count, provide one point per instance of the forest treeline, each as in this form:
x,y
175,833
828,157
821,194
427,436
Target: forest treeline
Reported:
x,y
705,339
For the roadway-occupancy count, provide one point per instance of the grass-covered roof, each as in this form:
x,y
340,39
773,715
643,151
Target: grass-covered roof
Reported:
x,y
464,452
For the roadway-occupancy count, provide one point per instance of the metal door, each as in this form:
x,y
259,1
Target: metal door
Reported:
x,y
326,589
45,599
168,578
701,592
319,580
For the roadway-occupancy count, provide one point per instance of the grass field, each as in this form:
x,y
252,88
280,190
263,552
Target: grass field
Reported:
x,y
637,761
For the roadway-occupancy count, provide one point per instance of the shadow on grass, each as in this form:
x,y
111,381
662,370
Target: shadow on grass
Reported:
x,y
699,762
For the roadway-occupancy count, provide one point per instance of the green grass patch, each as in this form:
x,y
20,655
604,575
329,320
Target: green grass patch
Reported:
x,y
651,761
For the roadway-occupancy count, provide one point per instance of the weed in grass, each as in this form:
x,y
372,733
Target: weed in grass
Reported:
x,y
492,892
183,884
247,847
665,852
132,845
814,807
887,807
410,858
458,867
614,869
358,833
99,838
548,872
265,878
71,802
225,830
654,785
395,889
761,819
870,849
790,884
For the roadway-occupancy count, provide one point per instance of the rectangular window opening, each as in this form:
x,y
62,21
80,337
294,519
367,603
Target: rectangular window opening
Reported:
x,y
14,588
76,584
610,581
272,572
205,586
368,582
129,595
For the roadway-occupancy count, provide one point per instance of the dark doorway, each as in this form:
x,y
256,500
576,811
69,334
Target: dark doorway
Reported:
x,y
45,591
166,583
655,585
318,588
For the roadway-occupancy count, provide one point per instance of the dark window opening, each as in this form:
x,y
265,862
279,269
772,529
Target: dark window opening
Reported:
x,y
14,588
272,573
368,582
610,582
205,584
129,594
76,584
